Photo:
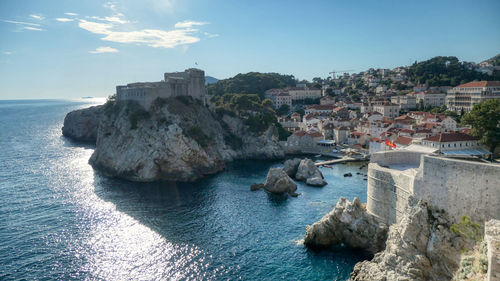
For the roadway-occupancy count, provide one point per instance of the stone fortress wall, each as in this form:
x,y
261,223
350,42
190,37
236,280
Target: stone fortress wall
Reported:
x,y
191,82
459,187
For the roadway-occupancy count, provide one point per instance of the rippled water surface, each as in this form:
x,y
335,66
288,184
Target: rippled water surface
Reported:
x,y
61,220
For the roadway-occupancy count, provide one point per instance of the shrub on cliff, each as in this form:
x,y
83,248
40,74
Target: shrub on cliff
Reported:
x,y
199,136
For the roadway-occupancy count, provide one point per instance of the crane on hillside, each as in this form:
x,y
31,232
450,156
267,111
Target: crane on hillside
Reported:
x,y
336,71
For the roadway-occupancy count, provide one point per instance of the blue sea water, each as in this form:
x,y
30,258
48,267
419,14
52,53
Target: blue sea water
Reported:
x,y
61,220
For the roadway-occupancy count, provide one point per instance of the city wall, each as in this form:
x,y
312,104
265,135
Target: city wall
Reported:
x,y
459,187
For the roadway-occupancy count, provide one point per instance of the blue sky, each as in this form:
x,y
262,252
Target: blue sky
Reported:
x,y
70,49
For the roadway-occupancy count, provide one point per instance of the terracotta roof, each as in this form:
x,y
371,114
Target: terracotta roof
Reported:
x,y
320,106
479,84
315,134
300,133
407,131
451,137
403,117
403,140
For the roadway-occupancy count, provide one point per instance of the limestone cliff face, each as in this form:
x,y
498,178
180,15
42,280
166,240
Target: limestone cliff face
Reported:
x,y
178,139
81,125
419,247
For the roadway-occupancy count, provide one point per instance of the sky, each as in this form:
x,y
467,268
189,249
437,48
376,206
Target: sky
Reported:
x,y
67,49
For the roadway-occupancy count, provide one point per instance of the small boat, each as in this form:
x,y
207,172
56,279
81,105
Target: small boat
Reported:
x,y
328,166
319,155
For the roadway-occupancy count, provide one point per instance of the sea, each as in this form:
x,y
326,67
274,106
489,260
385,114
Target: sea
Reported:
x,y
61,220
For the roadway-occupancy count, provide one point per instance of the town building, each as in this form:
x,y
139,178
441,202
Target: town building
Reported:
x,y
387,109
405,102
465,96
191,82
318,108
430,98
455,144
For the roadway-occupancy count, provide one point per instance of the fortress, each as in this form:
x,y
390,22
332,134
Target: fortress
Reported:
x,y
191,82
458,187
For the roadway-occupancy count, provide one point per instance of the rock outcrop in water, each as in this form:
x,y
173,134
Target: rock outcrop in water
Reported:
x,y
277,181
291,165
177,139
419,247
308,172
82,124
349,224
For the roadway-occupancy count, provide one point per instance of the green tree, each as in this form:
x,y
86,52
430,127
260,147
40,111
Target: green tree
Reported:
x,y
485,121
283,109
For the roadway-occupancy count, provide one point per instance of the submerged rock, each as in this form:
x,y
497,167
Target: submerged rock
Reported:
x,y
348,223
278,181
291,166
256,186
82,124
308,171
347,175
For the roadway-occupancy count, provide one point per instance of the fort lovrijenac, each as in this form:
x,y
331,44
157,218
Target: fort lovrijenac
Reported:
x,y
191,82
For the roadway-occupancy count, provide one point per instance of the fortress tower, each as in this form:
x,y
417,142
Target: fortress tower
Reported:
x,y
191,82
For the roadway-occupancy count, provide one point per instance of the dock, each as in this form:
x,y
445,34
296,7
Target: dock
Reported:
x,y
342,160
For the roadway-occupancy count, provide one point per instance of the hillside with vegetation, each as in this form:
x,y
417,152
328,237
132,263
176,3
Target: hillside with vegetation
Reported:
x,y
251,83
446,71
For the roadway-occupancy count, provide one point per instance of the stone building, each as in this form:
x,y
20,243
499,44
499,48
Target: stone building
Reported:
x,y
191,82
465,96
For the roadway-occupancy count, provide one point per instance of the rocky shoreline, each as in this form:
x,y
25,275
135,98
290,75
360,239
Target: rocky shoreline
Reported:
x,y
177,139
419,247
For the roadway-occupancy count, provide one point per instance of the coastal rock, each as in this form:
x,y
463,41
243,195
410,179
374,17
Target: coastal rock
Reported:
x,y
419,247
348,223
308,172
291,166
277,181
82,124
256,186
316,181
177,139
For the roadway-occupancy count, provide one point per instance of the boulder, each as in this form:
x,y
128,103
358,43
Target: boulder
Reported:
x,y
316,181
278,181
347,175
307,170
291,166
256,186
348,223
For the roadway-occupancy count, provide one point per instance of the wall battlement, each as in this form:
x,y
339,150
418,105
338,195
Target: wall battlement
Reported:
x,y
457,186
191,82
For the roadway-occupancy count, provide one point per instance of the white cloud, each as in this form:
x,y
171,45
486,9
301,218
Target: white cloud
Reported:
x,y
188,24
101,50
115,19
64,19
110,5
37,16
21,22
95,27
7,53
210,35
32,28
151,37
71,14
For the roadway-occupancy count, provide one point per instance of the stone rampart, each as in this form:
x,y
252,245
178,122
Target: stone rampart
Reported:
x,y
457,186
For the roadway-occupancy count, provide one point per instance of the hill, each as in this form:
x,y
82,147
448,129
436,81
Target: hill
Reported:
x,y
251,83
210,80
444,71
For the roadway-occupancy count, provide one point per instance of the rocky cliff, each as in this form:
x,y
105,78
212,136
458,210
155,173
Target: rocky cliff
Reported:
x,y
81,125
177,139
419,247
